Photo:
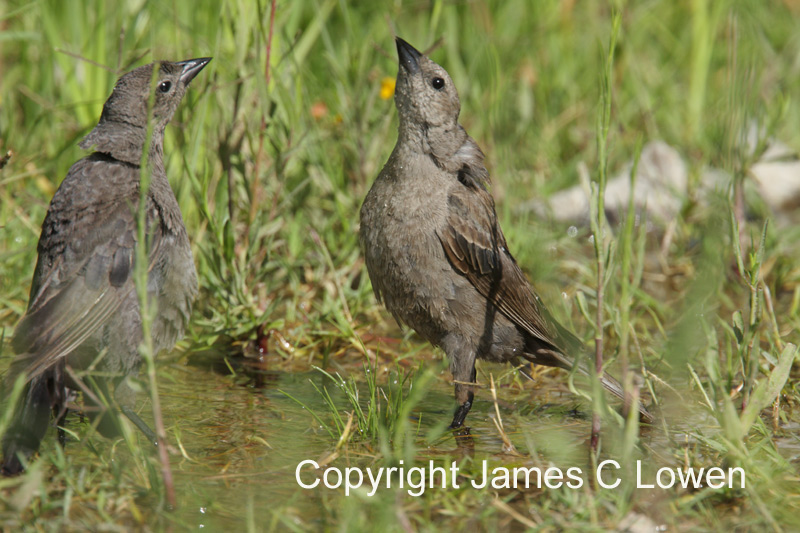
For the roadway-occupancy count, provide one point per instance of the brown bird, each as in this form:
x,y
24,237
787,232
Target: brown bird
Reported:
x,y
84,309
434,249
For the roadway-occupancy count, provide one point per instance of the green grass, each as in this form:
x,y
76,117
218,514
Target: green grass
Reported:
x,y
270,157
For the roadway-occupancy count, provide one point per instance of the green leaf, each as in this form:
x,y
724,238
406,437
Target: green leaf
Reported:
x,y
768,390
738,326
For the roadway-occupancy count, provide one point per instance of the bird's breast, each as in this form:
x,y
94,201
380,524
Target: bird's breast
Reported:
x,y
402,217
174,283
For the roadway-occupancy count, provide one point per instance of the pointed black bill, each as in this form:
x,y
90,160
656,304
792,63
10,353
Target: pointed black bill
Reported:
x,y
409,56
191,68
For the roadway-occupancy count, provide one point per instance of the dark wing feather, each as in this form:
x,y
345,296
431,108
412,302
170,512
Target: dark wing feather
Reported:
x,y
476,247
81,290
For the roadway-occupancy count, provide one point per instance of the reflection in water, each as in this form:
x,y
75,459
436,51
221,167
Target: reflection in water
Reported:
x,y
237,438
243,436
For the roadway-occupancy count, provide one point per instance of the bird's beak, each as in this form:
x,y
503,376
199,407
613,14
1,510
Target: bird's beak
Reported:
x,y
191,68
409,56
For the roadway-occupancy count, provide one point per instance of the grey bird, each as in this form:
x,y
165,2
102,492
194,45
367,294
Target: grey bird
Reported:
x,y
435,252
84,310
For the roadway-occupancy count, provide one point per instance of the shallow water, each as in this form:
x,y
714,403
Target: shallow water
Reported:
x,y
238,439
245,442
248,438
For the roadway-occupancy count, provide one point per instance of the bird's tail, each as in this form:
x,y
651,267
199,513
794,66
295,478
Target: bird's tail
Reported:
x,y
31,418
614,387
549,357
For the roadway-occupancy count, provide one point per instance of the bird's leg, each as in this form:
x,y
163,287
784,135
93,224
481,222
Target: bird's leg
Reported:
x,y
464,396
60,413
125,399
106,406
61,397
62,435
139,423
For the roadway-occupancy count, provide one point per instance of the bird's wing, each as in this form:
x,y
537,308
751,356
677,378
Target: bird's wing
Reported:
x,y
476,247
86,283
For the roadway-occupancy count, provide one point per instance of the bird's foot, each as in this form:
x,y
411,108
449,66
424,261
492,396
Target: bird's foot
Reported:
x,y
461,414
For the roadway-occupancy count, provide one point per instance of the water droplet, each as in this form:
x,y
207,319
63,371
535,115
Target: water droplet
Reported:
x,y
572,231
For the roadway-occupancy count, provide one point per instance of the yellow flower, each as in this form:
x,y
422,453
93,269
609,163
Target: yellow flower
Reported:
x,y
387,88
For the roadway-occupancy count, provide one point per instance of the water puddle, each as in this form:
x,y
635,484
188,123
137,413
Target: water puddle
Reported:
x,y
238,434
242,437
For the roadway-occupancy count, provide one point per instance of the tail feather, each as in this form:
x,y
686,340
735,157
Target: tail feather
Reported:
x,y
555,358
31,419
614,387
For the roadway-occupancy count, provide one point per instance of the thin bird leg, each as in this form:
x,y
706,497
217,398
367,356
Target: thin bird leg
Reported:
x,y
60,414
102,387
139,423
464,397
61,421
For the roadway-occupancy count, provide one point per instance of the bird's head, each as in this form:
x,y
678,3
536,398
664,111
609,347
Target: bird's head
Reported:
x,y
122,128
424,94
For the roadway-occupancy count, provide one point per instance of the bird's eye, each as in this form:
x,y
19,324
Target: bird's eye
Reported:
x,y
164,86
437,83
